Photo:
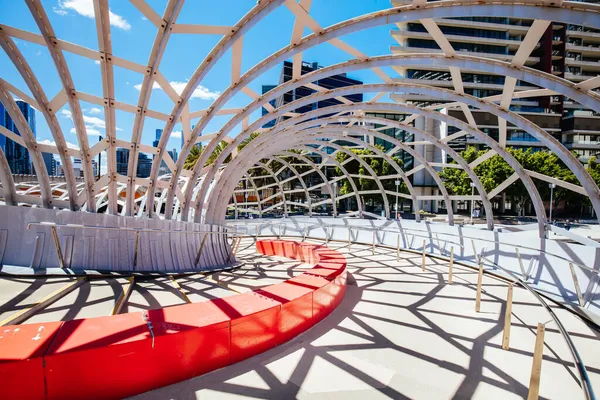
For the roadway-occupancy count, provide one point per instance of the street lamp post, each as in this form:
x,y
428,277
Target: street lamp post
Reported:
x,y
472,201
397,186
552,186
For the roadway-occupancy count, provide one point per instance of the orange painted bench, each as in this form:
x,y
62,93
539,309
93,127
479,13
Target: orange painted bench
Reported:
x,y
122,355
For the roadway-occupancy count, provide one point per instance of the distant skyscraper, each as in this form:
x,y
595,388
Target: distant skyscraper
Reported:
x,y
144,165
122,161
157,137
330,82
50,163
17,156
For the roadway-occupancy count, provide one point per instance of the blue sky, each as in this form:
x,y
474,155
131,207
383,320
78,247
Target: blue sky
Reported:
x,y
133,35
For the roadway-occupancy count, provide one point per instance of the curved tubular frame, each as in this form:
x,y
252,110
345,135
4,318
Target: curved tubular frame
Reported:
x,y
156,54
8,183
316,169
524,124
41,19
520,121
430,10
278,182
338,134
416,131
108,91
299,178
257,13
30,143
34,86
261,141
578,14
364,164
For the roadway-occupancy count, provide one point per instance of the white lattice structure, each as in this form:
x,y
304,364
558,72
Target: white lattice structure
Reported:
x,y
183,194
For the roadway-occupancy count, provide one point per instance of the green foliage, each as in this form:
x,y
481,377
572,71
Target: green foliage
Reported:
x,y
380,166
196,151
496,170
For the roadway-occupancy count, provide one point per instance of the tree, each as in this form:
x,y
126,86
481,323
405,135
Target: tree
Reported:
x,y
194,156
380,166
496,170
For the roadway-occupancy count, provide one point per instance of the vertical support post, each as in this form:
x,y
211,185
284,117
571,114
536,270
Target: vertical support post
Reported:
x,y
536,368
507,318
373,248
521,264
61,261
437,239
135,249
398,248
474,249
576,282
200,249
423,256
349,236
479,281
451,264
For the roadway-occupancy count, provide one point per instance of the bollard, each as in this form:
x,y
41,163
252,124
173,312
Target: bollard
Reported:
x,y
423,256
373,248
479,280
398,249
536,368
507,318
521,264
451,264
474,249
576,283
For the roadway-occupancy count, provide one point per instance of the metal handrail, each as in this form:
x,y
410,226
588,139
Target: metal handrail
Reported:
x,y
116,228
59,253
586,385
369,229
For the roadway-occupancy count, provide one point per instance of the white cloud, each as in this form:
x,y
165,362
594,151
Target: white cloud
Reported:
x,y
176,134
200,92
95,110
52,143
92,124
97,62
90,131
86,9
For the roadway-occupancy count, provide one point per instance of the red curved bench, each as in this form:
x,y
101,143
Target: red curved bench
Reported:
x,y
115,356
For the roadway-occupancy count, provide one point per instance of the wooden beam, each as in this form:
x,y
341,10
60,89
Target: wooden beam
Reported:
x,y
179,289
536,368
507,318
27,313
122,299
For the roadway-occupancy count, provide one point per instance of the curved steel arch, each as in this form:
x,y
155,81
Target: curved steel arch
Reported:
x,y
579,14
261,9
511,117
315,169
8,183
275,149
30,143
34,86
434,141
41,19
337,133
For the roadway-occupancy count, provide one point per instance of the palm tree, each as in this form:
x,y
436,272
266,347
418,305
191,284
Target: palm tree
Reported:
x,y
194,156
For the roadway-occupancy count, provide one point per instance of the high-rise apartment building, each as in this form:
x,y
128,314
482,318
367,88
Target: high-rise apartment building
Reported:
x,y
331,82
568,51
50,163
17,155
